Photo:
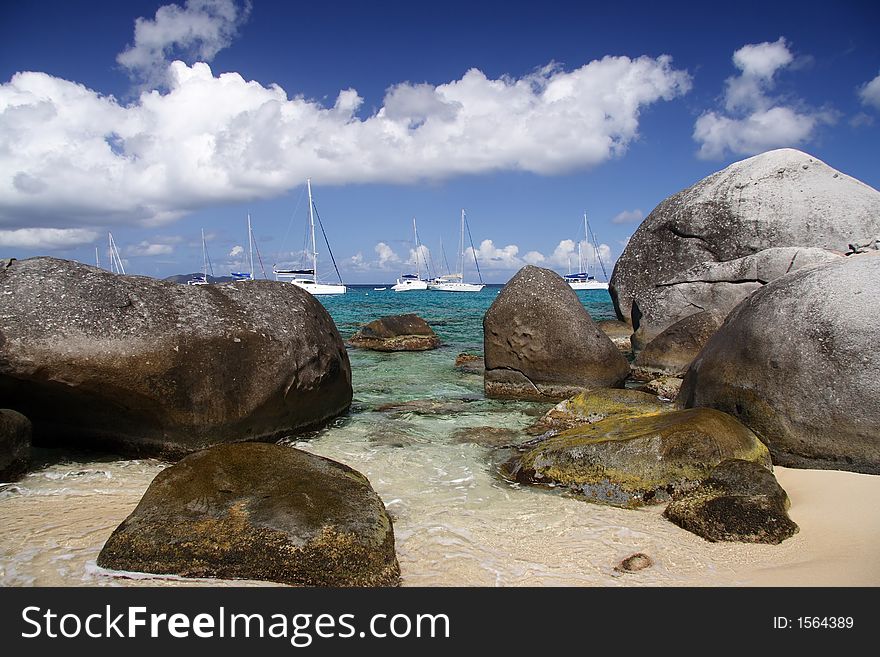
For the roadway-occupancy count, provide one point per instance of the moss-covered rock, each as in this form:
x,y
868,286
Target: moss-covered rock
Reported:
x,y
396,333
739,501
258,511
632,461
593,406
15,444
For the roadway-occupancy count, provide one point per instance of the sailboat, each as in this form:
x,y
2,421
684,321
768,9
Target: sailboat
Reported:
x,y
412,282
307,279
455,282
585,280
202,279
247,275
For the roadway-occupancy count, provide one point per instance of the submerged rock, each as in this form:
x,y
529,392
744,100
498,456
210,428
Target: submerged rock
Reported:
x,y
396,333
258,511
798,363
487,436
430,406
150,367
739,501
15,444
713,244
596,405
541,343
632,461
470,363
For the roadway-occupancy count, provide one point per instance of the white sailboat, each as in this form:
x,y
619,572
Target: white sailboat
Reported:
x,y
585,280
202,279
307,279
455,282
412,282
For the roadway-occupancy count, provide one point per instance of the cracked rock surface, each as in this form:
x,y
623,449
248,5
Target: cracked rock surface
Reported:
x,y
715,243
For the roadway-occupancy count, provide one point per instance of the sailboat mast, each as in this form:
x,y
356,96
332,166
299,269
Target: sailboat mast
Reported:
x,y
586,238
97,260
204,256
250,247
461,249
416,237
312,228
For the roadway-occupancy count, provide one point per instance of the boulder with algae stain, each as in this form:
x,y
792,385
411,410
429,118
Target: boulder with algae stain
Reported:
x,y
632,461
259,511
593,406
739,501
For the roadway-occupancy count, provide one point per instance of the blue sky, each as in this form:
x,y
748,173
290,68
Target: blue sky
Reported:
x,y
524,114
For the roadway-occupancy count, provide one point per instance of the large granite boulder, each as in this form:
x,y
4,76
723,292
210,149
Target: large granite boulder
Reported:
x,y
539,342
713,244
632,461
671,352
259,511
396,333
798,363
738,501
593,406
15,444
155,368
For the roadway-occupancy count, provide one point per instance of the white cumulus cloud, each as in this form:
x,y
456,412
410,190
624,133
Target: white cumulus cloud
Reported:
x,y
869,93
74,157
47,238
236,251
198,31
146,249
753,120
628,216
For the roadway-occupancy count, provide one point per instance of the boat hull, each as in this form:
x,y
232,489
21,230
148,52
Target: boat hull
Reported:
x,y
588,285
409,286
456,287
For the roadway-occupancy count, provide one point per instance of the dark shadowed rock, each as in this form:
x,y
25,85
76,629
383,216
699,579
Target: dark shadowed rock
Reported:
x,y
798,363
671,352
593,406
618,332
713,244
739,501
155,368
396,333
258,511
15,444
632,461
541,343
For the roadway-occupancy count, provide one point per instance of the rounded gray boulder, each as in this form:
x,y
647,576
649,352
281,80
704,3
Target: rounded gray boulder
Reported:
x,y
151,367
713,244
541,343
797,362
